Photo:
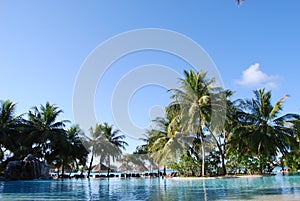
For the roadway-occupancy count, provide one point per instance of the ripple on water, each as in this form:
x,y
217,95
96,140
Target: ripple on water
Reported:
x,y
264,188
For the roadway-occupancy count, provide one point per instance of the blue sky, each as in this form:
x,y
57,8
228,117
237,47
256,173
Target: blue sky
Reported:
x,y
43,44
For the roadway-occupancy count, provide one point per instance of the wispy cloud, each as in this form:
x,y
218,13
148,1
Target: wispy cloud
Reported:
x,y
254,77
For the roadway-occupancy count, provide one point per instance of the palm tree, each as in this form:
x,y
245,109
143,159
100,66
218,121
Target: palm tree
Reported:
x,y
261,130
93,142
222,125
78,152
194,98
113,144
45,134
74,153
165,141
8,127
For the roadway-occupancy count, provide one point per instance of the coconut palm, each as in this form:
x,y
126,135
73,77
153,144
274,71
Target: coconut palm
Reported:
x,y
194,98
93,142
78,152
74,153
104,142
8,127
45,133
261,130
113,144
222,124
165,140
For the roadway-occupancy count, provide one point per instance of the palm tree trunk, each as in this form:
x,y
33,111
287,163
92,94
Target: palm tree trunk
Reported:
x,y
222,154
90,167
76,163
108,166
222,151
158,171
203,157
63,168
223,163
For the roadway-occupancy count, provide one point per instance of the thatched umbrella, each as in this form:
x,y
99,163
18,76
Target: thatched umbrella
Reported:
x,y
100,168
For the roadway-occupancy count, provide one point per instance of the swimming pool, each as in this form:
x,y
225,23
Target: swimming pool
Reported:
x,y
263,188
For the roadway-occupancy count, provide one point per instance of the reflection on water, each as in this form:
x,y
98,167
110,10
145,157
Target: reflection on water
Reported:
x,y
265,188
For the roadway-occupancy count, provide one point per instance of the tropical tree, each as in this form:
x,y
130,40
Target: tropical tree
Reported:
x,y
260,130
45,134
9,124
187,165
74,153
104,142
113,144
78,152
194,99
221,124
93,143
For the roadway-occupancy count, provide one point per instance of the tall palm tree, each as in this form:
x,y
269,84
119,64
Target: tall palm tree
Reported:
x,y
74,153
113,144
78,152
46,133
93,143
194,98
8,127
222,125
261,130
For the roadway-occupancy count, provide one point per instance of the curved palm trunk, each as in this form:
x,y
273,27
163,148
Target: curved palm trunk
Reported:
x,y
221,150
222,154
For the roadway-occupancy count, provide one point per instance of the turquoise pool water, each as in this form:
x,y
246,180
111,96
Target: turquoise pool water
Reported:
x,y
265,188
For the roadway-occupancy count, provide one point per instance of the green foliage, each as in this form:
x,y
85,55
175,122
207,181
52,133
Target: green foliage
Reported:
x,y
41,135
105,142
213,162
187,165
202,126
259,132
292,161
251,136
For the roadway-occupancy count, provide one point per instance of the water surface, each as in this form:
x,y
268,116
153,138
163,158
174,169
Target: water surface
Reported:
x,y
264,188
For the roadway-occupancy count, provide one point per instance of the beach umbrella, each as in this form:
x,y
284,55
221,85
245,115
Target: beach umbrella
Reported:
x,y
100,168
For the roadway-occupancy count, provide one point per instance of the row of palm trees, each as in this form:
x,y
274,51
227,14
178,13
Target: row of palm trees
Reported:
x,y
40,133
104,142
205,130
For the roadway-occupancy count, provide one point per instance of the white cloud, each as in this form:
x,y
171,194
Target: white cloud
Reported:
x,y
254,77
